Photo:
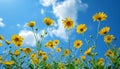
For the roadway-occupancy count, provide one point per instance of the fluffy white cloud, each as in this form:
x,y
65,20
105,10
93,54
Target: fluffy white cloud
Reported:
x,y
42,11
18,25
1,23
29,39
62,10
46,2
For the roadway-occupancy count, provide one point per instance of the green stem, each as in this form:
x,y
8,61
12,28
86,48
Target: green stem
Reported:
x,y
34,34
97,33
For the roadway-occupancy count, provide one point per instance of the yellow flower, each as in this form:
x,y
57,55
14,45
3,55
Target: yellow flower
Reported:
x,y
32,56
100,16
104,30
17,40
50,44
108,38
18,43
35,61
0,58
47,65
17,53
66,52
81,28
68,23
101,61
76,60
28,50
8,62
78,43
83,57
62,66
31,24
41,53
56,42
8,42
1,37
58,50
119,49
1,44
44,57
48,21
88,52
109,53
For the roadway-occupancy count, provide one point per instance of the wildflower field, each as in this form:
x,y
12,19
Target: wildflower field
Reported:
x,y
72,57
59,34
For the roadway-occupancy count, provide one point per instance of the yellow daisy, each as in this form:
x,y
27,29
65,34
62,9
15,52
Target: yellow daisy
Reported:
x,y
76,60
45,57
17,40
62,66
35,61
78,44
28,50
1,37
17,53
83,57
68,23
0,58
81,28
32,56
66,52
108,38
1,44
31,24
100,16
8,62
109,53
88,52
58,50
104,30
48,21
51,44
56,42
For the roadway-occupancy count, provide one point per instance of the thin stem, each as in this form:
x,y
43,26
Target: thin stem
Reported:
x,y
97,33
85,38
34,34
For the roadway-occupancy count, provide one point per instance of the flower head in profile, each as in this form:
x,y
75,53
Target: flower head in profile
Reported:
x,y
1,44
31,24
68,23
1,37
0,58
32,56
8,62
77,60
8,42
48,21
62,66
17,53
101,61
35,61
66,52
108,38
78,43
58,49
104,30
83,57
88,52
44,57
81,28
100,16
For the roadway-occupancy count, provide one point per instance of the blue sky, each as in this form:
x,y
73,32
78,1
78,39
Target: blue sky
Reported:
x,y
14,14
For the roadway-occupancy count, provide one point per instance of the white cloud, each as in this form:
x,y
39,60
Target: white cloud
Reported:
x,y
1,23
29,39
46,2
62,10
18,25
42,11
